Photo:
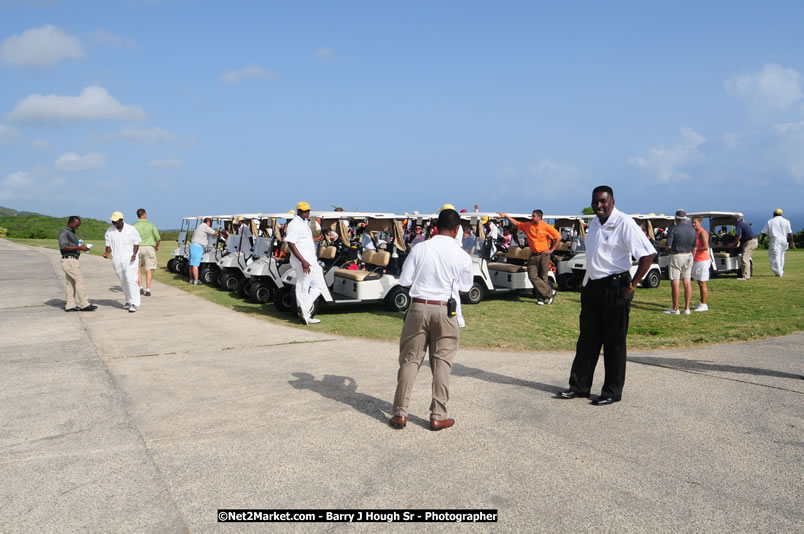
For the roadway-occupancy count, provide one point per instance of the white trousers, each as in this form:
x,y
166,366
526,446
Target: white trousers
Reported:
x,y
308,286
776,252
127,273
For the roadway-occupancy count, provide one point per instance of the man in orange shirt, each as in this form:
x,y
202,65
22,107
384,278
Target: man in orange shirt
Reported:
x,y
543,240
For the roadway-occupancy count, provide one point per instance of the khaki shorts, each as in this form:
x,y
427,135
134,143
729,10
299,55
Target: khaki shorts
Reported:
x,y
680,266
148,258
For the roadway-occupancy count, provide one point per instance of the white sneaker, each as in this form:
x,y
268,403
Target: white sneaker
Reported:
x,y
147,293
540,302
671,311
132,309
127,305
310,320
702,307
687,311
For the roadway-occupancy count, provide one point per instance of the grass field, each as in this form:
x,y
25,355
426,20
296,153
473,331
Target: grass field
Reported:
x,y
764,306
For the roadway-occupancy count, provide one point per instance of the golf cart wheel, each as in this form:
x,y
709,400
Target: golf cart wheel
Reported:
x,y
262,293
651,280
567,282
219,279
475,293
183,267
229,282
207,275
242,284
171,265
285,298
398,299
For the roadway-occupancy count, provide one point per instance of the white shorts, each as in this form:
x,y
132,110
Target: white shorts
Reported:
x,y
700,270
680,266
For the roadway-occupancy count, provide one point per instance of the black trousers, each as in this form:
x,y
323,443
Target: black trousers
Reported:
x,y
604,322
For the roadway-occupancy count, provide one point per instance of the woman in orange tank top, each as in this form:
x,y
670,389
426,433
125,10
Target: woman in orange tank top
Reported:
x,y
702,262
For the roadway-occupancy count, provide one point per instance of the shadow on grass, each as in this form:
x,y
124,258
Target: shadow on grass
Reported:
x,y
698,365
487,376
649,306
344,389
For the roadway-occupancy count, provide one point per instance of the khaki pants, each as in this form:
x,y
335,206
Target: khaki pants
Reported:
x,y
748,250
538,267
76,292
426,325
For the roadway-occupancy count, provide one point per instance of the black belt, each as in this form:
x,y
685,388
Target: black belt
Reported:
x,y
433,302
612,278
69,257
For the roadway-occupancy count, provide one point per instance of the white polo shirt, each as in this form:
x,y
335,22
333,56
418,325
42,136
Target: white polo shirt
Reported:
x,y
122,242
436,269
300,234
611,246
777,229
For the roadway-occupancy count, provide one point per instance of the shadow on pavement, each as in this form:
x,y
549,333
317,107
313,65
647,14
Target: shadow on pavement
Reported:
x,y
699,365
472,372
344,389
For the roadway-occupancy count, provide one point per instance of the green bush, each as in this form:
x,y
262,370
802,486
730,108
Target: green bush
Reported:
x,y
3,232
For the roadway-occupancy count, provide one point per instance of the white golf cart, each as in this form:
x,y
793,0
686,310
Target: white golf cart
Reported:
x,y
377,280
180,256
208,271
657,228
506,272
237,256
573,242
265,272
725,258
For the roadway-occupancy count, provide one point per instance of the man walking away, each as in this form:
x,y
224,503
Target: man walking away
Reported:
x,y
123,242
543,239
149,246
436,271
780,232
747,241
70,251
682,243
606,294
701,262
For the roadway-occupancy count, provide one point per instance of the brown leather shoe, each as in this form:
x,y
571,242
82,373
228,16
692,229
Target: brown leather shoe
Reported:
x,y
440,424
398,422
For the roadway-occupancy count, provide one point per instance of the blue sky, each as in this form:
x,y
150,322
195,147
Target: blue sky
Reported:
x,y
190,107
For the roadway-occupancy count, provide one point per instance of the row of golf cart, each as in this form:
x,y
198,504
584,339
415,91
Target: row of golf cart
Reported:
x,y
362,255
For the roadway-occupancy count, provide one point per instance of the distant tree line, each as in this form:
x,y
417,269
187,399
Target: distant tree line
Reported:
x,y
44,227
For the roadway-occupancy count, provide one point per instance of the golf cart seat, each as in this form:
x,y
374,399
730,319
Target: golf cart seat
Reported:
x,y
375,260
722,254
564,246
517,260
327,252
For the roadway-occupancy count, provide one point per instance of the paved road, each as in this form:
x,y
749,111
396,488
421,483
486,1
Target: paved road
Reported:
x,y
150,422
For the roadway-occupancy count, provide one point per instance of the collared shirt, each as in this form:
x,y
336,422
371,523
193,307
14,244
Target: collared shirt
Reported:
x,y
67,238
776,229
611,246
300,234
681,238
148,233
741,228
201,234
436,269
538,235
122,242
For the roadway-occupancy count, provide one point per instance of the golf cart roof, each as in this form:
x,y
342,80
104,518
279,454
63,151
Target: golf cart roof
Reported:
x,y
349,214
716,214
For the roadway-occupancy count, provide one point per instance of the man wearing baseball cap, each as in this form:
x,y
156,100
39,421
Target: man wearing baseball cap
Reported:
x,y
123,243
309,274
780,232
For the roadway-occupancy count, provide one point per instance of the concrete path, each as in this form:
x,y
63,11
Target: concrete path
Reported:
x,y
151,422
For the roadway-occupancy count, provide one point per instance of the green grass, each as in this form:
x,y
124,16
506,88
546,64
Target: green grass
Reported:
x,y
765,306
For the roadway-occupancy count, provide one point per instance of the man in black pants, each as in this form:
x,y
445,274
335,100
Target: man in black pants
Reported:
x,y
612,240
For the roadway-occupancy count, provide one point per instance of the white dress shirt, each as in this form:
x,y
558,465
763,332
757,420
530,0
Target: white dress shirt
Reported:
x,y
300,234
611,246
122,242
777,229
436,269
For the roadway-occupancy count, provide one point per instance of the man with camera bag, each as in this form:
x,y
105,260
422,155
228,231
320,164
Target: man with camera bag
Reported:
x,y
436,271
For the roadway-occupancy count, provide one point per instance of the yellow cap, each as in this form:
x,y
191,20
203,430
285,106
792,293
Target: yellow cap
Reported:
x,y
484,220
447,207
777,211
302,206
116,216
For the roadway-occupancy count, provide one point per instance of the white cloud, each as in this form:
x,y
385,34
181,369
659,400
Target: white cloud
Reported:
x,y
665,162
252,72
41,144
325,53
7,133
40,47
70,161
545,180
106,38
154,135
166,163
789,127
34,185
15,185
774,86
94,103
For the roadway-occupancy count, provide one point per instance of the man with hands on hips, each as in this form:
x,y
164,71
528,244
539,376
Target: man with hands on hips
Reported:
x,y
123,243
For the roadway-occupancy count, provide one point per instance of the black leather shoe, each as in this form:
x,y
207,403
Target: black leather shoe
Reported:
x,y
570,394
604,401
91,307
398,422
76,308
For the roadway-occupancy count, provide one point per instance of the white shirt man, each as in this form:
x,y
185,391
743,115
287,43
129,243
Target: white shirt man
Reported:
x,y
123,242
780,232
610,246
309,275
